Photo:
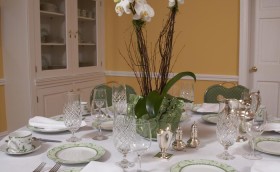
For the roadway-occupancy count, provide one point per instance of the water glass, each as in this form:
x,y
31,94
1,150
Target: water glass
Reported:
x,y
99,102
72,115
123,135
227,126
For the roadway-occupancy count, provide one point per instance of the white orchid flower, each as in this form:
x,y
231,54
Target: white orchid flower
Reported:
x,y
143,11
172,2
123,6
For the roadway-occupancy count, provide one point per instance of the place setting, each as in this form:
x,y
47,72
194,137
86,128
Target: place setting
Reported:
x,y
20,143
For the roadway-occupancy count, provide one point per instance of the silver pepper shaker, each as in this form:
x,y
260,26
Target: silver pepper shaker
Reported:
x,y
178,144
193,142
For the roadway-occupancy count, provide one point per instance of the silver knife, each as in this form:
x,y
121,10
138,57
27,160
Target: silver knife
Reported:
x,y
46,140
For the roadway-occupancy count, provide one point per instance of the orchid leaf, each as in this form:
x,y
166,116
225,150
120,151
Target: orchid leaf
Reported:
x,y
177,77
140,107
153,103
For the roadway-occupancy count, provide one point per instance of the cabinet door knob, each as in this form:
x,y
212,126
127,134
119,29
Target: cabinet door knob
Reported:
x,y
253,69
70,34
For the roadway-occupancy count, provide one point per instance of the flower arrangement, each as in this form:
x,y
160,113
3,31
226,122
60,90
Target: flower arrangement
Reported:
x,y
142,63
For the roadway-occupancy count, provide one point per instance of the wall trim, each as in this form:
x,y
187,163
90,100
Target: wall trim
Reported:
x,y
200,77
2,82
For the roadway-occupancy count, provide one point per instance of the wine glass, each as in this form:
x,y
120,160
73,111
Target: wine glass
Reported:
x,y
122,137
227,126
187,93
99,102
255,128
142,140
72,115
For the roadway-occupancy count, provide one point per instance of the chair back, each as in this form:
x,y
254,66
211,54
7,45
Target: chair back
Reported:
x,y
217,91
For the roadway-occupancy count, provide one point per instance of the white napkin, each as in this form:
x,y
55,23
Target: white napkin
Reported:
x,y
101,166
209,107
48,124
265,166
272,127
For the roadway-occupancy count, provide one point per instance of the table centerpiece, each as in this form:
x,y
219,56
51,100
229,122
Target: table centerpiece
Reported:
x,y
154,104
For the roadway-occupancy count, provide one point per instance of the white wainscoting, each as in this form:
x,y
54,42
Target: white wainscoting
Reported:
x,y
200,77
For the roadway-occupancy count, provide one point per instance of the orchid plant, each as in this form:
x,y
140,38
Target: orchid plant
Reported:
x,y
142,63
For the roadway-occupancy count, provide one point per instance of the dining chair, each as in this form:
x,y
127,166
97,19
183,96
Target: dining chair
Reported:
x,y
224,90
108,87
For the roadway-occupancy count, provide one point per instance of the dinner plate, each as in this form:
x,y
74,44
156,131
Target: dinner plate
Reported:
x,y
35,144
76,153
211,118
197,106
201,165
268,145
43,130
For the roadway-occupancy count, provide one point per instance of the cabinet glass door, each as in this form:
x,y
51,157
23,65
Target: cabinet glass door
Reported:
x,y
53,34
87,48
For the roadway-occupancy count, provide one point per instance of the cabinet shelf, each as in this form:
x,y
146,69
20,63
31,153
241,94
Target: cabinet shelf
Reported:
x,y
53,44
51,13
87,44
86,18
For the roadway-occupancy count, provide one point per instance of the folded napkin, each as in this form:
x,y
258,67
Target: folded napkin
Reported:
x,y
101,166
48,124
265,166
209,107
272,127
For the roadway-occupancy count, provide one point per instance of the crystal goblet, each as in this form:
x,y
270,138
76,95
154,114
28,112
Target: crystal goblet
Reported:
x,y
99,102
72,115
255,128
122,137
227,126
142,140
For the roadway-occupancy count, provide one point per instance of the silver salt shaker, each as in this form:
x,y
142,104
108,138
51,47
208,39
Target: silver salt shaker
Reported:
x,y
193,142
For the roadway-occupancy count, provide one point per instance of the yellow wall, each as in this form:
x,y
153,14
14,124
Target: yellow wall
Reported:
x,y
206,31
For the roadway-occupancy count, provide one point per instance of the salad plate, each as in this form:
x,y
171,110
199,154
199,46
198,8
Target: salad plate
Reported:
x,y
76,153
35,144
211,118
268,145
201,165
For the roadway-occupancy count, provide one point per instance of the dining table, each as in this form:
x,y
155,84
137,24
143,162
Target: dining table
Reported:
x,y
208,148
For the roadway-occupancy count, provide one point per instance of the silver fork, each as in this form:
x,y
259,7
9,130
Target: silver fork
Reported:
x,y
55,167
40,167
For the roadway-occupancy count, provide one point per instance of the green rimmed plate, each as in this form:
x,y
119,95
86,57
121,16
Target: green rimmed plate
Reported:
x,y
201,165
211,118
76,153
268,145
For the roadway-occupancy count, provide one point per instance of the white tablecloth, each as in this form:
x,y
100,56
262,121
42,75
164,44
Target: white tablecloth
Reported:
x,y
208,149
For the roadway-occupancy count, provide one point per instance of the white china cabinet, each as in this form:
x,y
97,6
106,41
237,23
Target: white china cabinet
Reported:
x,y
49,47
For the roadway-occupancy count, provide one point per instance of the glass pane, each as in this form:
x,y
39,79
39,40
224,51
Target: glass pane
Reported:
x,y
87,33
52,22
